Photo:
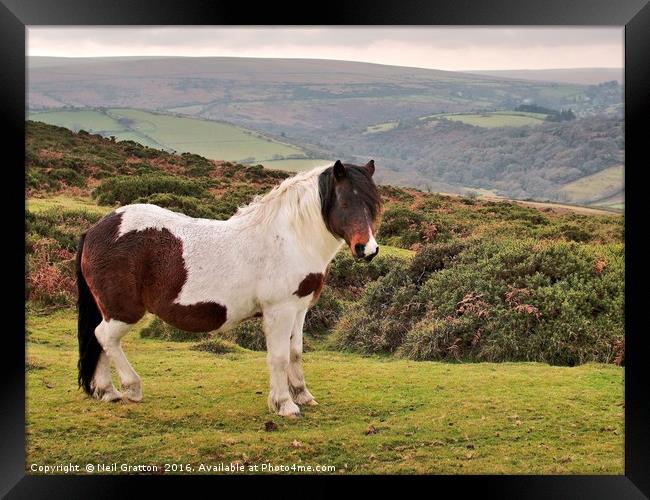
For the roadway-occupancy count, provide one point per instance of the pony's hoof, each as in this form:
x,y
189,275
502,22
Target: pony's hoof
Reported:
x,y
313,402
132,393
289,410
303,397
108,395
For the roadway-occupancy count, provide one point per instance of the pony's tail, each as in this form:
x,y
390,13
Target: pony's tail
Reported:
x,y
89,318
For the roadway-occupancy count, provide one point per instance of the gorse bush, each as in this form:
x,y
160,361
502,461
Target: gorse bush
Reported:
x,y
324,314
63,226
381,318
127,189
347,276
249,334
187,205
512,300
216,346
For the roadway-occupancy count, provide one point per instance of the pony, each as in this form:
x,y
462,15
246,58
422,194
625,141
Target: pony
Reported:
x,y
201,275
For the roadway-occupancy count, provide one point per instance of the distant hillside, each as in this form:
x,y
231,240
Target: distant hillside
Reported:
x,y
537,161
355,111
581,76
214,140
289,93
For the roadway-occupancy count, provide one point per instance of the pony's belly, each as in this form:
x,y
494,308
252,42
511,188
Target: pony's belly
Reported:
x,y
200,317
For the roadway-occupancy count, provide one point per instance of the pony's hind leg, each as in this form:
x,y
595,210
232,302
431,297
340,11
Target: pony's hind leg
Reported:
x,y
102,384
109,334
299,392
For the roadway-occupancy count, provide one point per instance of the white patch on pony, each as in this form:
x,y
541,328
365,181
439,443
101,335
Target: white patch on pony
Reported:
x,y
371,246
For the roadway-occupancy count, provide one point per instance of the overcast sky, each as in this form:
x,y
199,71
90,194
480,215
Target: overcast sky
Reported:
x,y
447,48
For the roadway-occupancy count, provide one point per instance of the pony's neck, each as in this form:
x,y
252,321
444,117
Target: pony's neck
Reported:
x,y
294,207
304,225
315,239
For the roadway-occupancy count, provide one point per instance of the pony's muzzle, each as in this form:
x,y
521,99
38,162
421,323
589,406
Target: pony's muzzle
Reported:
x,y
366,252
368,258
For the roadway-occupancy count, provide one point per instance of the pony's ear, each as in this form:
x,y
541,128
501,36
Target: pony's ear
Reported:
x,y
370,167
339,170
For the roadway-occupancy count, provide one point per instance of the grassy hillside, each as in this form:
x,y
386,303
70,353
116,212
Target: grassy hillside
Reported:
x,y
210,139
602,187
582,76
453,351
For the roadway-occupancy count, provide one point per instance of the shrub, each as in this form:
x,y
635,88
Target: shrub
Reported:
x,y
440,339
348,276
63,226
524,300
184,204
197,166
67,175
50,274
434,257
324,314
126,189
400,226
158,329
215,346
249,334
379,321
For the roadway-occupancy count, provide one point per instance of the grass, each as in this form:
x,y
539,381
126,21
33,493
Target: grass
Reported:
x,y
381,127
492,119
66,202
596,186
500,119
296,165
211,139
395,251
429,417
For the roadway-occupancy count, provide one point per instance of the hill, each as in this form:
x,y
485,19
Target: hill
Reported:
x,y
548,252
581,76
408,354
324,108
214,140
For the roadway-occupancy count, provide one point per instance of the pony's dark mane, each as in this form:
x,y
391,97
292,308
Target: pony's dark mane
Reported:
x,y
361,181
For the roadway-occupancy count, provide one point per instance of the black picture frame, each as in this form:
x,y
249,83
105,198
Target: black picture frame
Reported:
x,y
15,15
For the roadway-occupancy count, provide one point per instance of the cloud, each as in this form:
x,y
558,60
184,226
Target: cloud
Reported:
x,y
452,48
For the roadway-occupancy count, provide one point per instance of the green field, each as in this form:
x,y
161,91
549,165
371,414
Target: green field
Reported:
x,y
296,165
89,120
497,119
429,417
381,127
604,185
214,140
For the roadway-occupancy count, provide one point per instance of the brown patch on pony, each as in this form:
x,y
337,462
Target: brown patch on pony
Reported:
x,y
142,271
312,283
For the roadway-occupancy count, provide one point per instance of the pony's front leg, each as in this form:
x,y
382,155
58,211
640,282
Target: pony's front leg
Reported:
x,y
297,386
278,321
